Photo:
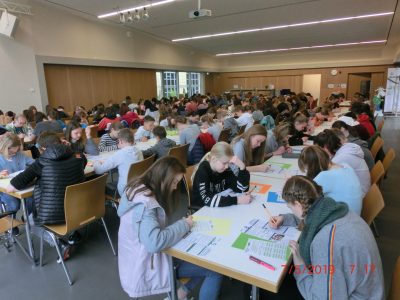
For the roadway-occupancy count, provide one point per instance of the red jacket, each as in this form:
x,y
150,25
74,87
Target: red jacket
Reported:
x,y
364,120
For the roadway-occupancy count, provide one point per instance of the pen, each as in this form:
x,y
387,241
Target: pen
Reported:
x,y
269,215
250,191
261,262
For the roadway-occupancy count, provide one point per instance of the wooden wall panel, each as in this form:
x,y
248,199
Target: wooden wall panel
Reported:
x,y
377,80
354,83
88,85
220,82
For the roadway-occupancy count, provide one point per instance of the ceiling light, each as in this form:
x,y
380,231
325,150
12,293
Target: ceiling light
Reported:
x,y
122,18
145,14
136,16
302,48
134,8
283,26
130,18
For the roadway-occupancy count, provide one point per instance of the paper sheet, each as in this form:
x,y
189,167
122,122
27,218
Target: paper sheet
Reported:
x,y
197,243
275,197
211,226
261,248
259,188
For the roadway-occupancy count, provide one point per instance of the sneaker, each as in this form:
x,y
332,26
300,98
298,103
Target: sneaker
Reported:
x,y
74,238
65,251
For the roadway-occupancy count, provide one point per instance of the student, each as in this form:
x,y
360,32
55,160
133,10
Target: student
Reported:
x,y
110,117
345,153
151,110
346,126
209,125
46,125
163,145
277,140
231,124
244,115
147,228
18,126
144,133
331,236
359,109
249,147
299,135
12,160
193,118
213,176
121,159
338,182
188,134
127,115
55,169
73,135
108,141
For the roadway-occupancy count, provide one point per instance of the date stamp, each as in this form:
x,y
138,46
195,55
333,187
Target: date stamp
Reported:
x,y
327,269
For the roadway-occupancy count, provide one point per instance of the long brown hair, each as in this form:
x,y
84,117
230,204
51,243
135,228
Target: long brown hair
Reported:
x,y
156,182
302,189
314,160
253,157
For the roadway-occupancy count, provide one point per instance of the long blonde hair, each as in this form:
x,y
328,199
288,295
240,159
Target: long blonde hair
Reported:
x,y
220,150
253,157
8,141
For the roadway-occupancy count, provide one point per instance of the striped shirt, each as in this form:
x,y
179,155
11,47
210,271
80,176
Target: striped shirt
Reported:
x,y
107,143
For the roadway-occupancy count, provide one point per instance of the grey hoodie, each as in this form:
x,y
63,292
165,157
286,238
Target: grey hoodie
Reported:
x,y
353,155
354,258
364,147
160,149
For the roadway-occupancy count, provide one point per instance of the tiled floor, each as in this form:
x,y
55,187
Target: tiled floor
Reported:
x,y
95,270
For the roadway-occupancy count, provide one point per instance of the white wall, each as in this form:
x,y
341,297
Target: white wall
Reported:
x,y
312,84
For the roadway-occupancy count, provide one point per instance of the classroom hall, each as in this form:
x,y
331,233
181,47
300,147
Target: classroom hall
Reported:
x,y
233,56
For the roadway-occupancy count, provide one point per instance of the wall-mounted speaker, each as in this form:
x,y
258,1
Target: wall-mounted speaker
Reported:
x,y
8,24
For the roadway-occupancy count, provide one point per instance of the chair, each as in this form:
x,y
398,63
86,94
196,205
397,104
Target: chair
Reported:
x,y
376,146
189,187
83,204
135,170
377,172
373,203
28,153
96,140
380,125
241,129
224,135
387,161
394,293
181,153
93,131
7,222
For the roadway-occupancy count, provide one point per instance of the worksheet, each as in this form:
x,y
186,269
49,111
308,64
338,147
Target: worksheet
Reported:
x,y
197,243
261,248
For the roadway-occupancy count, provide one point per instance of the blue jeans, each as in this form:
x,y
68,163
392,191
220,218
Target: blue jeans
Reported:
x,y
212,281
13,203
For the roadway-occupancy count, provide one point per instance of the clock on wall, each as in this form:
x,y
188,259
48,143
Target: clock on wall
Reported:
x,y
334,72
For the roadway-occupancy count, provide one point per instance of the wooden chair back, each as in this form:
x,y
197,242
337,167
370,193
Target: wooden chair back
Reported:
x,y
96,140
28,153
188,181
389,157
372,205
84,203
93,131
241,129
138,168
61,135
380,125
181,153
394,293
377,172
376,146
224,135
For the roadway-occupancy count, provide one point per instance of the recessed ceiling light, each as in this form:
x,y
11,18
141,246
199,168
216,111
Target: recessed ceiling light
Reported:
x,y
114,13
301,48
283,26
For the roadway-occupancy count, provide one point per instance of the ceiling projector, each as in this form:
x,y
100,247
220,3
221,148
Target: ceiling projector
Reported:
x,y
194,14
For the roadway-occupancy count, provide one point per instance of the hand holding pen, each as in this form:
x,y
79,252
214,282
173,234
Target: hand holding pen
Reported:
x,y
273,221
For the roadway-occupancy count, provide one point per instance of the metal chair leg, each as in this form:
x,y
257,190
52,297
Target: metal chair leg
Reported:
x,y
41,249
56,244
108,236
375,229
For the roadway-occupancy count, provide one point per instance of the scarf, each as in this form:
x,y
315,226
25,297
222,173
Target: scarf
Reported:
x,y
321,213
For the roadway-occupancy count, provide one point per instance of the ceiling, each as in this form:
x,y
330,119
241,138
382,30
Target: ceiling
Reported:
x,y
171,21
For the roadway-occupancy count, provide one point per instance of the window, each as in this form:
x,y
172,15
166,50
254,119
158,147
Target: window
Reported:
x,y
171,83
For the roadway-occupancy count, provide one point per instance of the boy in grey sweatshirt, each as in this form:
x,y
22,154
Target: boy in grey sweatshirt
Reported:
x,y
163,144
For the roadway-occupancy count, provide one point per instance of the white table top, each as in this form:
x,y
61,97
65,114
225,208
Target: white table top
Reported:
x,y
233,262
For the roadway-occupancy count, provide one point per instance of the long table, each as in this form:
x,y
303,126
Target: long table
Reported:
x,y
233,262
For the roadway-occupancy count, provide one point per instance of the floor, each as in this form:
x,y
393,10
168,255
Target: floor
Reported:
x,y
95,270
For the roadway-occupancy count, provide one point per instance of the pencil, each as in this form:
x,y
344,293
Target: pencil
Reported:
x,y
252,190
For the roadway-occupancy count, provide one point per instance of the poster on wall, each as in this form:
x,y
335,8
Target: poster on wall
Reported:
x,y
392,98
